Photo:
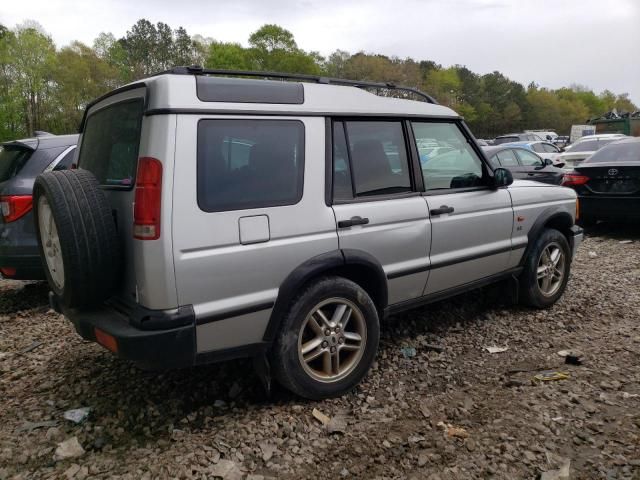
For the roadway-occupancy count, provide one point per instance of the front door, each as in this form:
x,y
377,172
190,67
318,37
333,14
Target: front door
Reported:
x,y
535,167
471,223
378,210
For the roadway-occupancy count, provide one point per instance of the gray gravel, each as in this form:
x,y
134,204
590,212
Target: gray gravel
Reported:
x,y
451,411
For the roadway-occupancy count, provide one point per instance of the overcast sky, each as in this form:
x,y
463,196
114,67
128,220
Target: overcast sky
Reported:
x,y
552,42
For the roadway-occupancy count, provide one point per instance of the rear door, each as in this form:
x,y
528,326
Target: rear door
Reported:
x,y
248,208
471,223
112,139
378,209
535,167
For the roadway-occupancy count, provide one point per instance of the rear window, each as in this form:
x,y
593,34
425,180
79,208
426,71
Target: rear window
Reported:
x,y
620,152
12,159
591,145
110,143
249,163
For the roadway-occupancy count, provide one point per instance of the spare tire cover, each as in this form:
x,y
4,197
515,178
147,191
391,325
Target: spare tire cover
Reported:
x,y
77,237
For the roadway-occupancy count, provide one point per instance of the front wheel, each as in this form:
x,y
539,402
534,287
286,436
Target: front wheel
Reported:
x,y
328,340
546,270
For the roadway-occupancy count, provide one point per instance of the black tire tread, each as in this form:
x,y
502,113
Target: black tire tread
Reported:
x,y
88,237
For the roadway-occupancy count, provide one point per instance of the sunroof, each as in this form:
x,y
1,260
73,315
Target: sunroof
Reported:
x,y
242,90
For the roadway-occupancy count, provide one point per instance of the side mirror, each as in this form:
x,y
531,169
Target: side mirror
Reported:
x,y
502,177
560,164
547,162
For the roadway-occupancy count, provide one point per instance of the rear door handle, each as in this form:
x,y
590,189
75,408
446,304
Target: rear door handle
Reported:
x,y
441,210
353,221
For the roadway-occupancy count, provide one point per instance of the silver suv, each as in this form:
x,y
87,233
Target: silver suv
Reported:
x,y
214,217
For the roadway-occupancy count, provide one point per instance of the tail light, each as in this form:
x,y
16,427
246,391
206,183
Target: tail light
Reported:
x,y
146,211
14,207
573,179
8,271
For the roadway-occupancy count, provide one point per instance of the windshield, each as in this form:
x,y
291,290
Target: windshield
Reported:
x,y
12,159
618,152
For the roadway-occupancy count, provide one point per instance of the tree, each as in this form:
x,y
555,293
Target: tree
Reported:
x,y
230,56
272,37
32,56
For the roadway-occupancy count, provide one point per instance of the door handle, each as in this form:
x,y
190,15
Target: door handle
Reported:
x,y
441,210
353,221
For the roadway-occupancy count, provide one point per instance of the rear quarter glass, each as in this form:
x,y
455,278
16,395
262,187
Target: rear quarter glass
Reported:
x,y
12,160
110,143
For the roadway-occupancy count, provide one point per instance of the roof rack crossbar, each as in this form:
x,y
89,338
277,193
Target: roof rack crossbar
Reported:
x,y
198,70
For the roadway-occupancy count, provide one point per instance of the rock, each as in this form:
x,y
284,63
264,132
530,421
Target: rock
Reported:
x,y
593,254
496,349
337,425
408,352
423,458
254,477
227,470
77,415
235,390
268,449
70,448
72,470
562,473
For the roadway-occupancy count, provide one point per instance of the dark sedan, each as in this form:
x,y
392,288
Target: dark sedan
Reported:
x,y
524,164
21,161
608,183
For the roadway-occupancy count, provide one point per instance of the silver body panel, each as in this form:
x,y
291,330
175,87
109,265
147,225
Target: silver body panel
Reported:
x,y
225,261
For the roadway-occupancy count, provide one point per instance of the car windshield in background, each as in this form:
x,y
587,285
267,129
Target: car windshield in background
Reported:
x,y
501,140
590,145
619,152
110,143
12,159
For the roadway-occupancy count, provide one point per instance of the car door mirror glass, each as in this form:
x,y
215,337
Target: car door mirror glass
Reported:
x,y
502,177
547,162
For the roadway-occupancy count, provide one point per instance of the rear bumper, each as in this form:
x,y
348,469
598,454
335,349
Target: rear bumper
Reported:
x,y
601,207
27,267
151,349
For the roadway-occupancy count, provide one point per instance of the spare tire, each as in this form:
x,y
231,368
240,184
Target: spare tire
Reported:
x,y
77,237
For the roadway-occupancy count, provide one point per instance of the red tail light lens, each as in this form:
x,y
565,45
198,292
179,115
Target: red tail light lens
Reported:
x,y
146,211
573,179
14,207
8,271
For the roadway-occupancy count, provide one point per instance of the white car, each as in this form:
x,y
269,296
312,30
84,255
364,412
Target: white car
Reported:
x,y
584,147
545,150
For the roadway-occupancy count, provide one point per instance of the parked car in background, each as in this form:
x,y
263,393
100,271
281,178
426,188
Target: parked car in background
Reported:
x,y
21,161
561,141
608,182
585,147
282,220
524,164
548,135
482,142
516,137
545,150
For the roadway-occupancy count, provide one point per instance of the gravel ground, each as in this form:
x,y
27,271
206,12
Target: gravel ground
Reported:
x,y
452,410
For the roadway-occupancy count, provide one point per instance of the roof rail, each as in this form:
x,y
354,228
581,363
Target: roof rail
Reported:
x,y
198,70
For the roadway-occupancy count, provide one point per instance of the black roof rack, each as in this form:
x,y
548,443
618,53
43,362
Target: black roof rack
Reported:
x,y
198,70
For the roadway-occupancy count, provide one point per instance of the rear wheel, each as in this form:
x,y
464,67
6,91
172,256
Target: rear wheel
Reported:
x,y
546,271
328,339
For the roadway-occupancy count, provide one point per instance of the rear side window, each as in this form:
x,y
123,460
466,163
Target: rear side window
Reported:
x,y
12,159
249,163
507,158
110,143
529,159
370,158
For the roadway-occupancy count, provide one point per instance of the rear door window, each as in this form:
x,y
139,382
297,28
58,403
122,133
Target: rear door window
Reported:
x,y
12,159
110,143
507,158
378,157
246,164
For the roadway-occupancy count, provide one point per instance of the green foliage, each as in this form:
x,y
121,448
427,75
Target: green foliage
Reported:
x,y
42,88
